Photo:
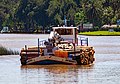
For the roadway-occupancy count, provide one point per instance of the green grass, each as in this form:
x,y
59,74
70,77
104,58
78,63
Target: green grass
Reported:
x,y
5,51
100,33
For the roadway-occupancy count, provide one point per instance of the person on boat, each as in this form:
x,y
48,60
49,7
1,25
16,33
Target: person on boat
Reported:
x,y
51,37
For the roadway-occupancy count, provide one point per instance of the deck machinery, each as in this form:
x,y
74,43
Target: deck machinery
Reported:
x,y
62,47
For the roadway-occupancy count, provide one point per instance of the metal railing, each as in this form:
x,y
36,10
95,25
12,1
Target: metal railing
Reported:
x,y
40,43
72,40
83,41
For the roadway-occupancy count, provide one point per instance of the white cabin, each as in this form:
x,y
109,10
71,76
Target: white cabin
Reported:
x,y
68,33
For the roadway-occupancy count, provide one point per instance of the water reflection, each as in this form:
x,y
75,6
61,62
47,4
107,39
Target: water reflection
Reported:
x,y
54,74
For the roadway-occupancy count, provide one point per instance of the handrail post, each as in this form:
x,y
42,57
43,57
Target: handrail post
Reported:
x,y
77,41
38,48
87,41
26,57
81,41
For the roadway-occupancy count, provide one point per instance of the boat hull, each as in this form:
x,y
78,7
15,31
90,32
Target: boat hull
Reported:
x,y
82,56
46,60
49,62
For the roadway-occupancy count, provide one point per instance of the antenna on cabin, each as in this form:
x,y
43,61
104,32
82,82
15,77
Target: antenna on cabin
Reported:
x,y
65,21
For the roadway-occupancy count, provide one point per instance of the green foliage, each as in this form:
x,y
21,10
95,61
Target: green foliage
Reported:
x,y
79,17
5,51
29,15
108,15
61,8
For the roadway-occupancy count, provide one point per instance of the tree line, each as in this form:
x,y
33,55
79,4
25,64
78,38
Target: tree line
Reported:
x,y
36,15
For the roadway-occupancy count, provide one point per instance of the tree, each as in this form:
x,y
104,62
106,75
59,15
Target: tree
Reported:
x,y
93,11
61,8
79,17
31,13
108,15
8,9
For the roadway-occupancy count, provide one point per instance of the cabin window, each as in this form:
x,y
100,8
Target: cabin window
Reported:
x,y
64,31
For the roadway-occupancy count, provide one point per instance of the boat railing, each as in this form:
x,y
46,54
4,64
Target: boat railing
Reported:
x,y
72,40
40,43
83,41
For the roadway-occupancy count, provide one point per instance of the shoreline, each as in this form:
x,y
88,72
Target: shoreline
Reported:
x,y
100,33
23,33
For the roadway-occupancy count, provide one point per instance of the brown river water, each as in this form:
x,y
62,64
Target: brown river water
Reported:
x,y
105,70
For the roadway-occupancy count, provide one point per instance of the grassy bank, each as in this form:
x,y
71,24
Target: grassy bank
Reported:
x,y
100,33
5,51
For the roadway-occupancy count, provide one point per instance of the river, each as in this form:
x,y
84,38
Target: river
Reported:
x,y
105,70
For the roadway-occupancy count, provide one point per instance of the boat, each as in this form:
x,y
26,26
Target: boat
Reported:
x,y
62,47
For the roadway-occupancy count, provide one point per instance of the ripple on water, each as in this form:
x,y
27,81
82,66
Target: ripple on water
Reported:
x,y
105,70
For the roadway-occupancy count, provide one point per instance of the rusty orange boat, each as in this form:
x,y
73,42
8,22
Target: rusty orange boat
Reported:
x,y
62,47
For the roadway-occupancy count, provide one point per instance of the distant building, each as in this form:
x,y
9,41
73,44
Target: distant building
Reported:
x,y
111,28
5,30
85,27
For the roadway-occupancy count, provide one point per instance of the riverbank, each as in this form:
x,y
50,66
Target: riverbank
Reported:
x,y
100,33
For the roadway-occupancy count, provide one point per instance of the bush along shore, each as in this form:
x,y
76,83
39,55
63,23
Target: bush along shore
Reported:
x,y
5,51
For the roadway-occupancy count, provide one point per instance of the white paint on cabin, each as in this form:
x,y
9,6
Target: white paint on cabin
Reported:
x,y
67,32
